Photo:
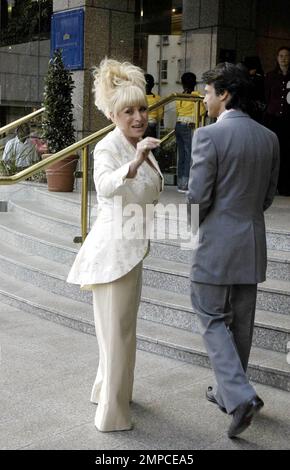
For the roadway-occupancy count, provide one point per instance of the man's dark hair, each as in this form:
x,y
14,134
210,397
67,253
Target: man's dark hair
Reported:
x,y
234,79
188,80
253,62
149,82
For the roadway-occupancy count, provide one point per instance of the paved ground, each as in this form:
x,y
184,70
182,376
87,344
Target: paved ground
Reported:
x,y
46,374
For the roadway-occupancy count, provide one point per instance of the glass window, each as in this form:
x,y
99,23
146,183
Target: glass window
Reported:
x,y
24,20
164,64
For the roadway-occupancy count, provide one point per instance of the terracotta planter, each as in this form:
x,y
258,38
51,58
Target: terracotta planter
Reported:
x,y
60,175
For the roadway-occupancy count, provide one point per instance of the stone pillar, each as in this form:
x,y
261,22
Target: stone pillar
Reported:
x,y
108,31
237,29
215,31
199,35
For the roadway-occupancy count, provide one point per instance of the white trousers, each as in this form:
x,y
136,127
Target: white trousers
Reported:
x,y
115,311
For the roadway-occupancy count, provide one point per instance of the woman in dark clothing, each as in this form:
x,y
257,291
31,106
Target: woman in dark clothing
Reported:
x,y
277,116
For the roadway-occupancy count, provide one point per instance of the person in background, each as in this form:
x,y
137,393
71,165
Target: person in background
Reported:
x,y
277,115
185,125
257,93
109,262
20,152
155,116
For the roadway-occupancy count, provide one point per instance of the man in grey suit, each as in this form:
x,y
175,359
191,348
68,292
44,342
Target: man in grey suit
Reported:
x,y
233,178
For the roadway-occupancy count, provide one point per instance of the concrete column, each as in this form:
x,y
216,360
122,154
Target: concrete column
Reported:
x,y
199,35
217,30
108,31
237,30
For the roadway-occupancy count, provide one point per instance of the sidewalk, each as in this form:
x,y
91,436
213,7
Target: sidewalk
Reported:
x,y
46,374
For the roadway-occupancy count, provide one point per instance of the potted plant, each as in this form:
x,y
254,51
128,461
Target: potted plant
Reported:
x,y
57,123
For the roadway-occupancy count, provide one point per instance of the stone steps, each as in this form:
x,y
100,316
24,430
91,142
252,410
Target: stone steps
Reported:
x,y
272,330
36,252
36,214
266,366
273,295
36,239
163,306
68,203
66,221
31,239
278,260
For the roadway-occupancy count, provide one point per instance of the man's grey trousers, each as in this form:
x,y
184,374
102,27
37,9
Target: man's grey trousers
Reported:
x,y
226,320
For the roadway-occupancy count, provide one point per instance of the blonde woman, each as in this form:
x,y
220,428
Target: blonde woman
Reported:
x,y
110,260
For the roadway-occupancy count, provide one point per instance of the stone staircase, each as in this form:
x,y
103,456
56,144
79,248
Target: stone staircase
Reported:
x,y
36,252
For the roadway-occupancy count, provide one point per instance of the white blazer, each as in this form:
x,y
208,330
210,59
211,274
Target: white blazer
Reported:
x,y
116,242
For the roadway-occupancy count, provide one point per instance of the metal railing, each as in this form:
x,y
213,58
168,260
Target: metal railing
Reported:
x,y
82,145
18,122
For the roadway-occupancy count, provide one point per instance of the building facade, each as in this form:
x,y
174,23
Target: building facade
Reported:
x,y
195,36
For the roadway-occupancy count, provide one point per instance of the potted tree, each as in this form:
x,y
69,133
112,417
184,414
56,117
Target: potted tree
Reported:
x,y
57,124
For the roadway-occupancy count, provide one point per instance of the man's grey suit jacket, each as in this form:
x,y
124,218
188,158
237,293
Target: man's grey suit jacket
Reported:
x,y
233,178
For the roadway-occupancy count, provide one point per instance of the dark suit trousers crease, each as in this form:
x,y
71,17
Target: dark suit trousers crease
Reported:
x,y
226,321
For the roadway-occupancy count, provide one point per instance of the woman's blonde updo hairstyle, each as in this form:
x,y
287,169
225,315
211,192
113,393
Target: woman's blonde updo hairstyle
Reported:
x,y
118,85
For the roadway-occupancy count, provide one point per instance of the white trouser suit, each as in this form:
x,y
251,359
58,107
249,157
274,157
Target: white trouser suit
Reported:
x,y
115,310
111,266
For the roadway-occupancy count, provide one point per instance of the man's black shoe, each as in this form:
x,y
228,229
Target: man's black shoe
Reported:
x,y
243,415
210,397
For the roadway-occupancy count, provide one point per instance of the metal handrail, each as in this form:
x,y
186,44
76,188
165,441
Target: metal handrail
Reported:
x,y
167,136
83,146
55,157
12,179
175,97
20,121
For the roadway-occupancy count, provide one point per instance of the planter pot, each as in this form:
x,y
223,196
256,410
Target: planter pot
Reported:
x,y
60,175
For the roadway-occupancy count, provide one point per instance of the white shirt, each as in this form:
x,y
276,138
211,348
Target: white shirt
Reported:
x,y
222,115
108,253
23,154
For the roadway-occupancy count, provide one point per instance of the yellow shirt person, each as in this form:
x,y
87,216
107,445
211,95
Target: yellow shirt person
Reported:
x,y
157,114
186,111
186,121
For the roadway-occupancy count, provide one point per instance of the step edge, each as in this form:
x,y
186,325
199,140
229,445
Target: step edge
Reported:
x,y
43,215
34,238
169,343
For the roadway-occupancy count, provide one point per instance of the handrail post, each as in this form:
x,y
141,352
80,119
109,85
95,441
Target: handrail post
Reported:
x,y
84,206
197,114
20,121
